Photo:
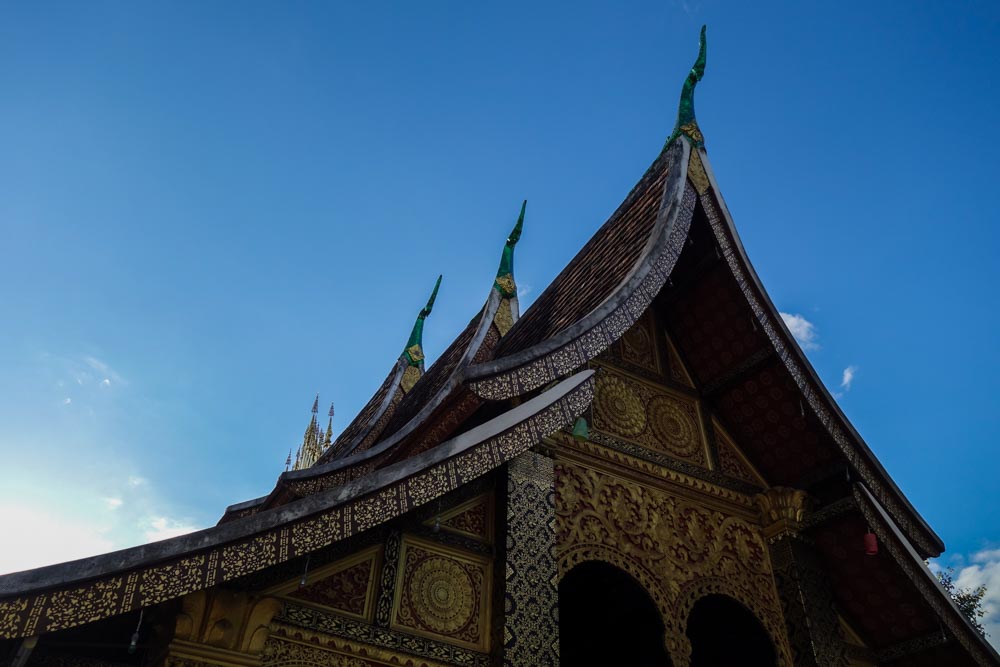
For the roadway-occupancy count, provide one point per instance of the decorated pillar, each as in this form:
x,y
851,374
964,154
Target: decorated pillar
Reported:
x,y
813,627
531,621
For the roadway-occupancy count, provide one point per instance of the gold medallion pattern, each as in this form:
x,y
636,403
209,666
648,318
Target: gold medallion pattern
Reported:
x,y
649,415
675,427
619,407
442,593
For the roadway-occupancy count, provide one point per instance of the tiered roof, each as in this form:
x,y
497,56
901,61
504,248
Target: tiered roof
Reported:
x,y
505,382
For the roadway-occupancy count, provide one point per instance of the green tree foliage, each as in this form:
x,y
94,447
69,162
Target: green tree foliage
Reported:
x,y
969,600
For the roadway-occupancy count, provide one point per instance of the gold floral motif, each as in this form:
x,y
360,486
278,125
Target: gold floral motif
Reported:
x,y
172,580
697,173
506,285
10,616
410,377
250,556
692,130
504,319
83,605
618,408
678,550
315,533
637,345
416,353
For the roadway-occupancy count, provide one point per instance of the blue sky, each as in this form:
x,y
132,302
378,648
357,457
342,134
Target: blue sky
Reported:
x,y
209,212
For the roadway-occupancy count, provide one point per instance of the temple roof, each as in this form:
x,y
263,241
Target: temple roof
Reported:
x,y
398,443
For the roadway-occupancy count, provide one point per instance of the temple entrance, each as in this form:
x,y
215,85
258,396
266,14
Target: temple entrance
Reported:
x,y
723,632
607,618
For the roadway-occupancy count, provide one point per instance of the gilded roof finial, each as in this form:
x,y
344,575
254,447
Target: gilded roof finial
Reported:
x,y
316,405
686,122
505,274
414,350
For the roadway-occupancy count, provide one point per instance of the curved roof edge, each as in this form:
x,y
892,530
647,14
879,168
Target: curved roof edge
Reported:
x,y
932,590
395,387
126,580
559,355
368,456
861,458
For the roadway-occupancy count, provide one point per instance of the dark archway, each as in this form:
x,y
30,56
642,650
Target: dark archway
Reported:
x,y
723,632
607,618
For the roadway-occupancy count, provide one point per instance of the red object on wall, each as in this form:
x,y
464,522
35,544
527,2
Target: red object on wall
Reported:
x,y
871,544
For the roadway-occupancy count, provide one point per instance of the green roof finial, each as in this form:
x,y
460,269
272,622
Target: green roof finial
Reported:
x,y
505,274
414,350
686,122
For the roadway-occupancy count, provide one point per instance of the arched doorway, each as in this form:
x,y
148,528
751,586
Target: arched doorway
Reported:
x,y
723,632
607,618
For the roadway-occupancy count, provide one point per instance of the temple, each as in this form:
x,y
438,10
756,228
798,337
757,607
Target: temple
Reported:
x,y
642,469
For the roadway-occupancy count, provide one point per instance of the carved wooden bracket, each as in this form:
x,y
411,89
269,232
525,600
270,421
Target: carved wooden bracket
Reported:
x,y
782,511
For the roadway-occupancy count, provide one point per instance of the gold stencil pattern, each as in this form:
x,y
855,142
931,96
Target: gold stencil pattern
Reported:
x,y
171,580
89,602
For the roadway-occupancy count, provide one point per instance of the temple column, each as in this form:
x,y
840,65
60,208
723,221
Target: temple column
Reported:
x,y
807,603
531,597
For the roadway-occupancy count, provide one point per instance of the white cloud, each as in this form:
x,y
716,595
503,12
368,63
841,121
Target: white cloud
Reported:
x,y
847,379
523,290
162,528
67,400
44,538
985,571
135,480
105,382
113,503
803,330
104,370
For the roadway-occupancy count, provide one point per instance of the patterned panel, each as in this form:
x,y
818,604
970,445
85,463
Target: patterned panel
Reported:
x,y
330,652
296,621
473,518
442,593
531,601
638,345
650,416
731,461
347,586
677,550
813,627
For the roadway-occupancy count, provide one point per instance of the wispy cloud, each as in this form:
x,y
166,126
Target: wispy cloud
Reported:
x,y
82,520
67,400
45,538
163,528
847,378
803,330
